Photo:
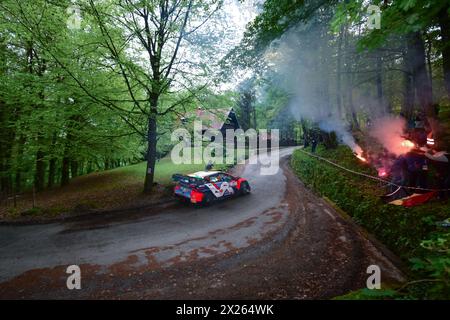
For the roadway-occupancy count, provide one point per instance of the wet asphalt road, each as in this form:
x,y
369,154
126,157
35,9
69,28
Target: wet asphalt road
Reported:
x,y
172,235
280,242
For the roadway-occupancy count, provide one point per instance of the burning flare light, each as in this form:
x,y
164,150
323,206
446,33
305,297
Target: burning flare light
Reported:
x,y
382,172
358,151
408,144
360,157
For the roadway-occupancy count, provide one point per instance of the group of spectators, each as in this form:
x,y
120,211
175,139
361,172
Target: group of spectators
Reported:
x,y
312,138
423,166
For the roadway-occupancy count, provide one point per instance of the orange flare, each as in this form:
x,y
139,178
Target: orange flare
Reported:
x,y
382,173
408,144
360,157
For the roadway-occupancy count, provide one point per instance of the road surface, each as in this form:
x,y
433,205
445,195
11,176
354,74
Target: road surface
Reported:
x,y
282,241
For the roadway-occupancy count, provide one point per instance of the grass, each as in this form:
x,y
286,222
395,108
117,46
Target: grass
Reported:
x,y
165,168
406,231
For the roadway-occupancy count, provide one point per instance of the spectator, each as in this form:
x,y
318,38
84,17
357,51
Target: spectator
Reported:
x,y
399,172
209,166
417,169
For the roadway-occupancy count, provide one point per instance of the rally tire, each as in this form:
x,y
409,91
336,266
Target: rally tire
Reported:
x,y
245,188
208,200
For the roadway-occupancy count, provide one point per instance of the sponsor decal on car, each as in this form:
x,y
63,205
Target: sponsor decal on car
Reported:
x,y
220,191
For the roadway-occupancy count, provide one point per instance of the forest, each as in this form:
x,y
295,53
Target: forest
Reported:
x,y
92,90
84,87
103,94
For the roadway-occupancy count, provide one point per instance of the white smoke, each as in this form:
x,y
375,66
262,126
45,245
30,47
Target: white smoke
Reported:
x,y
294,61
390,131
337,125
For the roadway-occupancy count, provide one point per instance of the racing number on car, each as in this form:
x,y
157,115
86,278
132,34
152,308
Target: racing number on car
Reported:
x,y
220,191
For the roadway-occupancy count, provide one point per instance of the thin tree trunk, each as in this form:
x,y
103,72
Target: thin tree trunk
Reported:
x,y
338,76
408,94
151,151
51,173
429,64
255,124
349,83
39,176
4,152
65,170
18,182
52,164
74,168
379,80
444,24
416,56
19,157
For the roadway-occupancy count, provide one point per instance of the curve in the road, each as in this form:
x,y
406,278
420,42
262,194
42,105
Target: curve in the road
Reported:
x,y
173,236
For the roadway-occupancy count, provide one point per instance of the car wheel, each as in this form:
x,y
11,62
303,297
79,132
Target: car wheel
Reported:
x,y
245,188
207,201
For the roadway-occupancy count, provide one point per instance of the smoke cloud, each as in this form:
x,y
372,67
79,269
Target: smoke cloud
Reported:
x,y
389,131
297,69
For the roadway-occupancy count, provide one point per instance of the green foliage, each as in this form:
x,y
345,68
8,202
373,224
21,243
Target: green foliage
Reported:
x,y
275,19
366,294
434,267
402,229
399,17
45,115
78,100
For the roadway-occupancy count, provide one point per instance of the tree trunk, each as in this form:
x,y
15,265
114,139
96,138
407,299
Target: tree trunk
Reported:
x,y
245,103
338,76
89,167
379,81
3,64
255,124
151,150
8,116
6,153
51,173
39,176
74,168
349,83
3,151
429,63
40,171
444,24
416,57
408,93
52,164
65,170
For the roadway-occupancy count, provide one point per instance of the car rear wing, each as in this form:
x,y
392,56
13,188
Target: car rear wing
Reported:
x,y
187,179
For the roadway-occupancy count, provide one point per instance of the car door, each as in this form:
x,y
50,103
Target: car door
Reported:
x,y
230,180
227,184
219,185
